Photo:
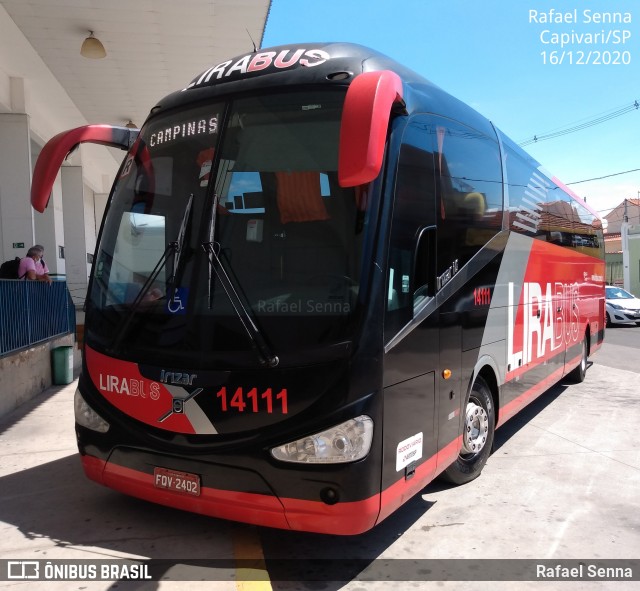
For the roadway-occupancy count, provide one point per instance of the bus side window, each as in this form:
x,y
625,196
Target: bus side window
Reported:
x,y
528,190
539,208
470,184
578,227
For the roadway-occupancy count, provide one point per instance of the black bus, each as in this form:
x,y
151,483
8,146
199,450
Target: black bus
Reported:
x,y
320,282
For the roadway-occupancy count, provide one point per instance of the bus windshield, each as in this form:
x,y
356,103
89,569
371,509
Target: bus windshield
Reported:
x,y
224,214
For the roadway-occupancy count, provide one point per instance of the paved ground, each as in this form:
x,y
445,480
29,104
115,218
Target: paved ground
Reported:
x,y
562,483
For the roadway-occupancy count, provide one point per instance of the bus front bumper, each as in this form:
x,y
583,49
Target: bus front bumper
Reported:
x,y
342,518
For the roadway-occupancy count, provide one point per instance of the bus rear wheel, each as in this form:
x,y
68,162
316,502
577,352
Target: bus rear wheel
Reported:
x,y
477,435
578,374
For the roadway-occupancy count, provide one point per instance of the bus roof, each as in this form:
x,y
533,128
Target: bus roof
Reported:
x,y
329,64
302,63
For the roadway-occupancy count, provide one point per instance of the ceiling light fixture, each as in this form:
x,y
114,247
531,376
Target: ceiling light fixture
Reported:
x,y
92,48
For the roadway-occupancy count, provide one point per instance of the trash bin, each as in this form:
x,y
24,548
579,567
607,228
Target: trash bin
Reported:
x,y
62,365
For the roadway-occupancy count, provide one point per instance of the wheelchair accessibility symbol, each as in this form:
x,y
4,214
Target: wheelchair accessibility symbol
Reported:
x,y
177,303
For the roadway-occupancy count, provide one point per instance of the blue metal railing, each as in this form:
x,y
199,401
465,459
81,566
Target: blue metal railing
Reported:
x,y
32,312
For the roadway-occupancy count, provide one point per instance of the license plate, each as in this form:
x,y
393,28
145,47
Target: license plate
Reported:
x,y
180,482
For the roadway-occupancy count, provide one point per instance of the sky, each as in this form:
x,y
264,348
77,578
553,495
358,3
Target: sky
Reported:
x,y
499,56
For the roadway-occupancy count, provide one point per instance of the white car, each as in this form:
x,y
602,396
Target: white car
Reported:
x,y
622,307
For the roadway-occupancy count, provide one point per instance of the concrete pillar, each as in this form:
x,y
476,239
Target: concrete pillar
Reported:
x,y
16,214
49,230
17,95
91,231
75,232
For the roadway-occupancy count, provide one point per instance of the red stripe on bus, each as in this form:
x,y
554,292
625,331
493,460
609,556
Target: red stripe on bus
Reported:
x,y
511,408
236,506
144,399
402,490
343,518
265,510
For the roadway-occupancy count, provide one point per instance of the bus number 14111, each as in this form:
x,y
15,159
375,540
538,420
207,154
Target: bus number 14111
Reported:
x,y
253,401
482,296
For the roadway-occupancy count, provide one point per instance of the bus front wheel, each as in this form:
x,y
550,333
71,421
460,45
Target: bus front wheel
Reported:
x,y
477,435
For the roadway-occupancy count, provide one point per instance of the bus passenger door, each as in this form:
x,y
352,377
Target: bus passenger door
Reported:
x,y
411,334
410,379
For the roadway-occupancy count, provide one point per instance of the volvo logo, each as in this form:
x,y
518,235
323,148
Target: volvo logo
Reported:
x,y
178,405
177,378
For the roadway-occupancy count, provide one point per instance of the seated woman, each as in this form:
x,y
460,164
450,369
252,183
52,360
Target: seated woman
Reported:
x,y
33,266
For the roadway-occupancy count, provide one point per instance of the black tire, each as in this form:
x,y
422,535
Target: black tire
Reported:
x,y
578,374
608,320
478,431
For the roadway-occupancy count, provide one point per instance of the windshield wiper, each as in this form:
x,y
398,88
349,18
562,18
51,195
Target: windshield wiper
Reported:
x,y
266,355
177,253
176,247
260,345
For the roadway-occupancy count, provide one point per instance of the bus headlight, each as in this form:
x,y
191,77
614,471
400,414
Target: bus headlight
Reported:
x,y
347,442
86,416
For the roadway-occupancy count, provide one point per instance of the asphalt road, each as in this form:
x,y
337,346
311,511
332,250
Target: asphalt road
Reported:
x,y
562,483
622,348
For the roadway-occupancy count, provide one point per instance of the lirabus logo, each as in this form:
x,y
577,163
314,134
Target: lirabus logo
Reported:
x,y
547,318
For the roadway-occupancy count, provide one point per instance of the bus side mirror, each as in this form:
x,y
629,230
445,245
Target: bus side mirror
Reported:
x,y
58,147
363,129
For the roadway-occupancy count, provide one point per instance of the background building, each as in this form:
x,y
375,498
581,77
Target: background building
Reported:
x,y
614,245
153,47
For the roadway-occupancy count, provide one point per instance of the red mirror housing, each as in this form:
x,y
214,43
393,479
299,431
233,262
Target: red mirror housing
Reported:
x,y
363,130
58,147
